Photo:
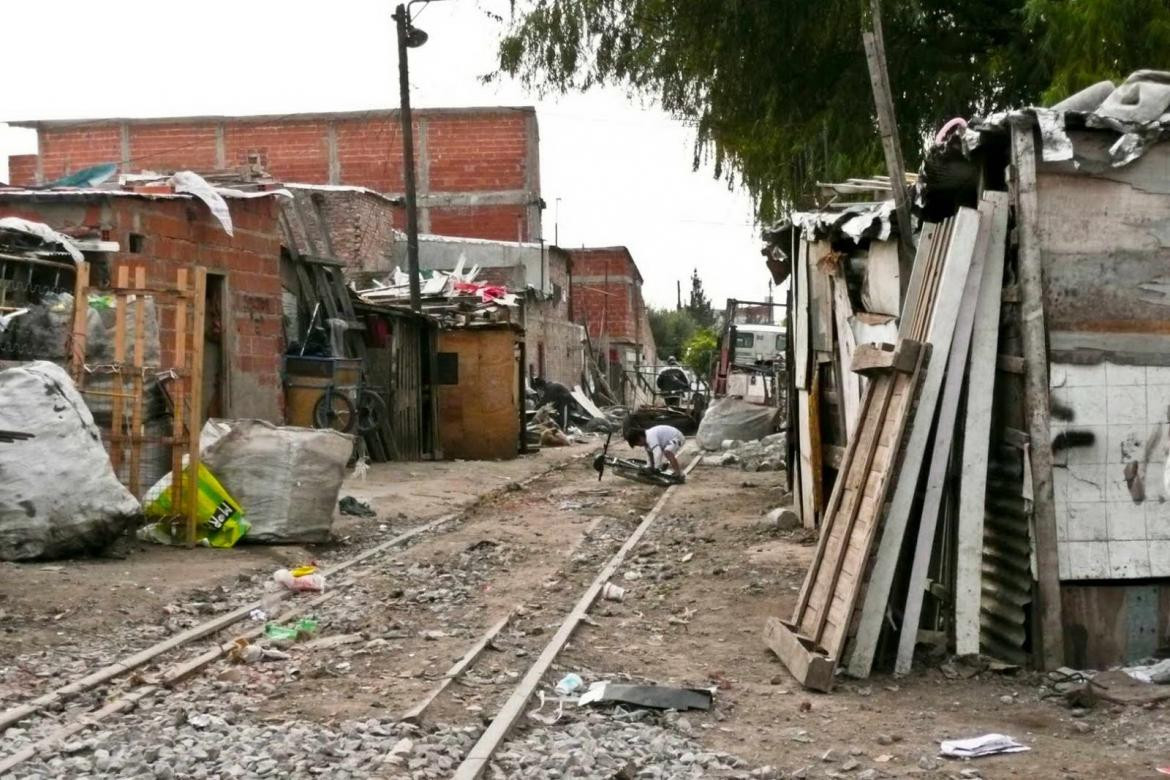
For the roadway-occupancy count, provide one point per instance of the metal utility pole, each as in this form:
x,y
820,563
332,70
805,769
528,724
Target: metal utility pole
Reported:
x,y
879,77
402,19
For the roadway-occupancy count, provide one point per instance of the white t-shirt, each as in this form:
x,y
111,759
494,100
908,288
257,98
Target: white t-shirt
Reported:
x,y
663,438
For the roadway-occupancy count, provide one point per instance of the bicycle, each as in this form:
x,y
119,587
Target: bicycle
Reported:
x,y
634,469
335,410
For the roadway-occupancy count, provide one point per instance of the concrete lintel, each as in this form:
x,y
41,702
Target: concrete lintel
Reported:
x,y
220,147
468,199
331,152
611,279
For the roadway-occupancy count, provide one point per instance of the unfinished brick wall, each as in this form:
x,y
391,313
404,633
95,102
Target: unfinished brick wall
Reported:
x,y
361,226
554,343
478,169
607,294
178,233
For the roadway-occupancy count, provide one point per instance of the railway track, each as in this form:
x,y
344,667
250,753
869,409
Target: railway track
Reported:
x,y
136,686
520,632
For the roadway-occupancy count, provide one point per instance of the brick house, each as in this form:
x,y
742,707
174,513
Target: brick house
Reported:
x,y
478,168
607,300
165,232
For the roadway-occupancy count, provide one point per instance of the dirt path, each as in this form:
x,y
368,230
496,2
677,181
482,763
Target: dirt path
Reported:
x,y
698,590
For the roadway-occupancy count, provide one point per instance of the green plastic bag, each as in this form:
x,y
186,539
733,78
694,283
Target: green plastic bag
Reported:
x,y
220,521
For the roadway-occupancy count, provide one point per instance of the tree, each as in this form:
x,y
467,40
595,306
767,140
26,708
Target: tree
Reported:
x,y
699,305
1091,40
778,90
672,329
701,350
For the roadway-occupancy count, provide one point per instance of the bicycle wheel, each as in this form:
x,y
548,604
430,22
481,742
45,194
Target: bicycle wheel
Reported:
x,y
371,410
334,410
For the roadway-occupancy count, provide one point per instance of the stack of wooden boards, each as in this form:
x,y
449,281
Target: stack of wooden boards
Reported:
x,y
908,417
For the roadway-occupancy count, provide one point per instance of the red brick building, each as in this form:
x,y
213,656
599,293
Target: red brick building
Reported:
x,y
607,300
166,232
478,168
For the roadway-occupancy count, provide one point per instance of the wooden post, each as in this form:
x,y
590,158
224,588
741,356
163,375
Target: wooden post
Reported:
x,y
178,399
1051,646
80,323
194,361
879,77
135,481
119,388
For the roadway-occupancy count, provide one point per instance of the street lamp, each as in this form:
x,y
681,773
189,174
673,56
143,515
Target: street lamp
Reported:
x,y
409,37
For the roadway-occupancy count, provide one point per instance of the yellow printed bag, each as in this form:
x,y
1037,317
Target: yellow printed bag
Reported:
x,y
220,521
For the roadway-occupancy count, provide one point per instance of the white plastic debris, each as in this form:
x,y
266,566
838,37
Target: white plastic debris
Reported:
x,y
977,747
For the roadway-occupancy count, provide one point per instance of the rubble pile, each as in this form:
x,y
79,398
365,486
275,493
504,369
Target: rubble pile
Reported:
x,y
767,454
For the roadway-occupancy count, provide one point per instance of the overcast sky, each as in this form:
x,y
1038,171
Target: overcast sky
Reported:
x,y
620,168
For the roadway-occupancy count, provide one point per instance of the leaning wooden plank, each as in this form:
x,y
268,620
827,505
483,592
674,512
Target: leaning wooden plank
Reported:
x,y
415,712
875,492
944,310
481,752
811,668
808,510
850,383
1036,399
977,435
948,411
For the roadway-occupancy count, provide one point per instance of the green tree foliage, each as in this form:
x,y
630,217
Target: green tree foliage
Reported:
x,y
699,304
702,349
778,90
1086,41
672,328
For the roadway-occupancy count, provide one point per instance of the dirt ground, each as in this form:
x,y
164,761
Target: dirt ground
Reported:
x,y
699,588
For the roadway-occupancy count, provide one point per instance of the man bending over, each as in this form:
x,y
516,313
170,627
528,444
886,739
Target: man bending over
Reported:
x,y
662,443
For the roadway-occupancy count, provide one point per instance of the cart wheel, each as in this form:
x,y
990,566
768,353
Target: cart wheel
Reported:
x,y
334,410
371,411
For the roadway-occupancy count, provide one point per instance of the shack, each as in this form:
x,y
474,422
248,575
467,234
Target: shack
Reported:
x,y
164,230
1003,488
481,391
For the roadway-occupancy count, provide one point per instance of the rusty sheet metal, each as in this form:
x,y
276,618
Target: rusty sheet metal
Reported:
x,y
1007,575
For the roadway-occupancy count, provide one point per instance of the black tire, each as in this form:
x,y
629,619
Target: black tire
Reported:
x,y
334,411
371,411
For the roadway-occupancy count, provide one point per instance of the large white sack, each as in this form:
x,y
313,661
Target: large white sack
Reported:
x,y
59,495
285,479
734,418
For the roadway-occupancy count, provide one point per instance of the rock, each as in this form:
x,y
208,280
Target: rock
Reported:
x,y
783,518
850,765
1007,699
1081,727
867,774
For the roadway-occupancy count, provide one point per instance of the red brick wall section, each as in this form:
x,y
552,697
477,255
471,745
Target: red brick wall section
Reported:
x,y
610,310
292,151
369,153
81,147
22,169
500,223
180,234
469,153
171,146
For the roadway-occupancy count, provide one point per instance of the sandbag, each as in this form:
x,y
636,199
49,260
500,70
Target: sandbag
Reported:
x,y
734,418
286,479
59,495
